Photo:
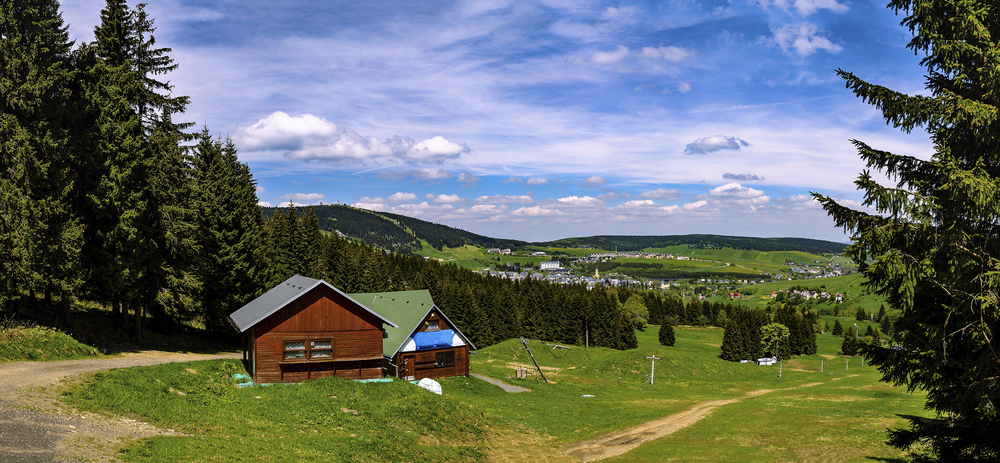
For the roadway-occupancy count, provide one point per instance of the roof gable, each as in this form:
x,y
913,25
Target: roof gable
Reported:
x,y
291,289
409,309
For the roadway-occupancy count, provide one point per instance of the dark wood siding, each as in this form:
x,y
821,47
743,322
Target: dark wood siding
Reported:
x,y
423,364
320,314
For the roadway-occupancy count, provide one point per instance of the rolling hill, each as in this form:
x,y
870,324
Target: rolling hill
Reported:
x,y
402,233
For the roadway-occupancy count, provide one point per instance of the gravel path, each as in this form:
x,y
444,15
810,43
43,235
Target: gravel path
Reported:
x,y
34,427
505,386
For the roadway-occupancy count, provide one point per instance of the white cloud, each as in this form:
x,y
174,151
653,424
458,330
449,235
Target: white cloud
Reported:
x,y
485,209
593,181
303,196
468,179
743,177
610,57
714,143
683,87
445,199
431,174
739,194
799,202
804,38
662,193
671,53
308,137
613,195
436,149
506,199
263,204
579,201
637,204
400,197
806,7
260,189
536,211
512,180
695,205
538,181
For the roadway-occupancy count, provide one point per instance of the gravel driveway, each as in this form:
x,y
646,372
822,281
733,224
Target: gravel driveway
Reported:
x,y
34,427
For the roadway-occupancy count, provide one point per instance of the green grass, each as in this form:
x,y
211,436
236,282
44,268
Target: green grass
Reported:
x,y
843,420
399,422
24,341
851,286
313,421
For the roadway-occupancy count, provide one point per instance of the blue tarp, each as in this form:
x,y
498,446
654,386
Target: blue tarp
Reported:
x,y
433,339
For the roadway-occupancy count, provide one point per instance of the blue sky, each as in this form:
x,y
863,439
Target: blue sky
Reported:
x,y
545,120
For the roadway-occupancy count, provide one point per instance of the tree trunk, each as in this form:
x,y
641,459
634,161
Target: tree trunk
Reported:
x,y
115,308
48,294
125,326
137,333
67,296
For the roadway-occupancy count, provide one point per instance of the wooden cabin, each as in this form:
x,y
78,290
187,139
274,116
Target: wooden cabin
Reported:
x,y
304,329
425,344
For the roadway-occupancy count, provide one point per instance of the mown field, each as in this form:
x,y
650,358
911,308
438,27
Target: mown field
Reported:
x,y
725,260
856,295
841,418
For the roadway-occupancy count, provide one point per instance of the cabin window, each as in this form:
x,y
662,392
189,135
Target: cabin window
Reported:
x,y
432,325
295,350
445,359
321,349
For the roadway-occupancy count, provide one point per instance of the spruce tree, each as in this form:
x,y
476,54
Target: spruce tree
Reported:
x,y
139,206
666,335
933,246
40,230
838,329
230,227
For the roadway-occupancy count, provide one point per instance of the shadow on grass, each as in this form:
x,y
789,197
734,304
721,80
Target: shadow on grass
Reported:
x,y
98,327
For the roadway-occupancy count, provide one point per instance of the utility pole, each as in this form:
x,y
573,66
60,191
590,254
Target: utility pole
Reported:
x,y
525,342
652,371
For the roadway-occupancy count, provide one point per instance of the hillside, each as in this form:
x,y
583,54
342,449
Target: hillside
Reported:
x,y
638,243
397,232
402,233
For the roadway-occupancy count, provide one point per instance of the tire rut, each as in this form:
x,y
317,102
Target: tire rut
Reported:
x,y
618,442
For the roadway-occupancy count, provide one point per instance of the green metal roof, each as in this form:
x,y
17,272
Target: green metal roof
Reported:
x,y
406,309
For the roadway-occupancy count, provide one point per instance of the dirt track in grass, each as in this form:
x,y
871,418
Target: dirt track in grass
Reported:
x,y
35,427
619,442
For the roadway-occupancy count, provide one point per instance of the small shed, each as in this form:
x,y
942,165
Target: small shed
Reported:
x,y
305,329
425,344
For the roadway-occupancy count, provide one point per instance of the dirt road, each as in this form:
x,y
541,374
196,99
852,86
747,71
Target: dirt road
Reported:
x,y
619,442
34,427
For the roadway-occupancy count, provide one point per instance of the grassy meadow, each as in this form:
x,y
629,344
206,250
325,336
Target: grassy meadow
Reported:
x,y
842,417
27,341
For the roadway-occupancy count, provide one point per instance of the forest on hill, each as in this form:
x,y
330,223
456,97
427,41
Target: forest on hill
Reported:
x,y
361,224
401,233
397,232
637,243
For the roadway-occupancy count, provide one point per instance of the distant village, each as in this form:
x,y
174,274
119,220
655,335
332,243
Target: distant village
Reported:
x,y
553,271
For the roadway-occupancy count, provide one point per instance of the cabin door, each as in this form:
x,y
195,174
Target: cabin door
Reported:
x,y
407,368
